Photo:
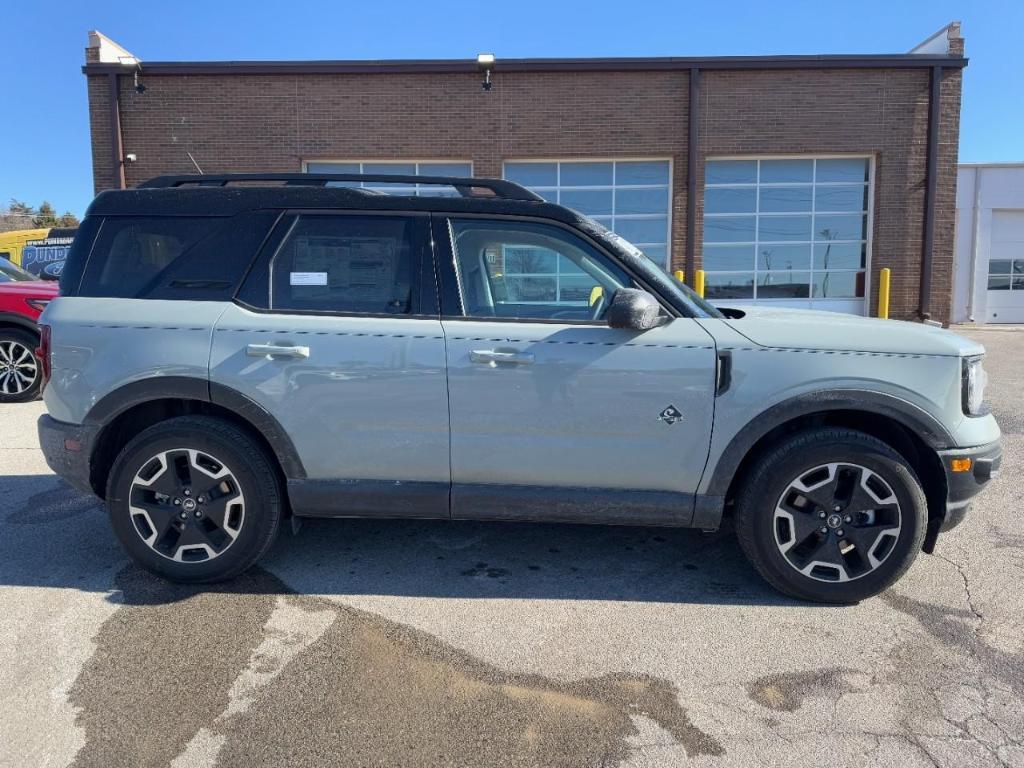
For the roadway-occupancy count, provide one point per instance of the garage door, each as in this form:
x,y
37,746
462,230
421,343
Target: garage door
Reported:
x,y
789,232
1006,269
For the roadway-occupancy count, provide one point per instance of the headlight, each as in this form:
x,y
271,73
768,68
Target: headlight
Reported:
x,y
974,381
37,304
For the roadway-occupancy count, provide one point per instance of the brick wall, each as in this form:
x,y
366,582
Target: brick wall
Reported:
x,y
243,122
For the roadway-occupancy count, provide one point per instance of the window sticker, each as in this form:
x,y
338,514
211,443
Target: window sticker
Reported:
x,y
308,278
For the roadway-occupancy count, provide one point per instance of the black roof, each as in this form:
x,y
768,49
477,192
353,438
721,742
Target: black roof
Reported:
x,y
218,198
465,186
214,196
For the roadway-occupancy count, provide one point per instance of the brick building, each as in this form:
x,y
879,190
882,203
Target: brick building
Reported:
x,y
788,179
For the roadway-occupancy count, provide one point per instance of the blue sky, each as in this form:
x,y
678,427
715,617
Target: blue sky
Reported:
x,y
44,130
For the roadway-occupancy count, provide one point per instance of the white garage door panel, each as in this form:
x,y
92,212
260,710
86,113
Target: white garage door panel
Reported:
x,y
1008,226
1005,299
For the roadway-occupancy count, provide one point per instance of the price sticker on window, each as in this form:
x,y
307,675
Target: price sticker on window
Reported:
x,y
308,278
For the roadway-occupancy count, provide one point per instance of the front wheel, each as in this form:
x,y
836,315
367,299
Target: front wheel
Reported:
x,y
831,515
194,499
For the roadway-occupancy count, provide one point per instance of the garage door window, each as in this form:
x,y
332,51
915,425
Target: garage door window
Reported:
x,y
786,228
398,168
629,197
1006,275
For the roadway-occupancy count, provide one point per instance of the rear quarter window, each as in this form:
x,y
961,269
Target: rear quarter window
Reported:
x,y
173,257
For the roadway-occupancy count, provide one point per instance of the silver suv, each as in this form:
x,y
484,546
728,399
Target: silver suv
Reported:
x,y
227,355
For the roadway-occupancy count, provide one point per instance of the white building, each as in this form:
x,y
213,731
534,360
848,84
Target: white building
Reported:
x,y
988,280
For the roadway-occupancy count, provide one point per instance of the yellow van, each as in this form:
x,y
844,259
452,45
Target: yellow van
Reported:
x,y
13,243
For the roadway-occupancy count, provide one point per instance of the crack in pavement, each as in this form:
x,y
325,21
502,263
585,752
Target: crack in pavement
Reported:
x,y
967,590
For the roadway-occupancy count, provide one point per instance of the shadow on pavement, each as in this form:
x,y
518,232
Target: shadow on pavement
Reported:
x,y
255,675
55,536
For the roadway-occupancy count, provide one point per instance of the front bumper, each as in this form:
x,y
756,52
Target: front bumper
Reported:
x,y
962,486
67,449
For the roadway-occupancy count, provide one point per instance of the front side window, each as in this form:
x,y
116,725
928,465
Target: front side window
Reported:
x,y
346,264
630,197
786,228
515,269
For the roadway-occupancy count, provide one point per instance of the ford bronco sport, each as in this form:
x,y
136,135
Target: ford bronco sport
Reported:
x,y
230,351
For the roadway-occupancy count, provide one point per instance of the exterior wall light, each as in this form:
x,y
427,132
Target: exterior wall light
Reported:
x,y
485,63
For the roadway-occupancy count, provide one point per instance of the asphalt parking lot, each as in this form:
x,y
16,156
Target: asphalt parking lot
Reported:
x,y
459,644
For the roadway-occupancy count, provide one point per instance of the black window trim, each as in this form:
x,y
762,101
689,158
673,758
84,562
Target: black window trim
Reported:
x,y
448,275
424,271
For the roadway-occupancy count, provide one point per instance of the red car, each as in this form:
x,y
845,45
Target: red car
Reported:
x,y
22,298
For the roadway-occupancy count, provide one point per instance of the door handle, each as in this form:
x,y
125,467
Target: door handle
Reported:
x,y
276,350
492,357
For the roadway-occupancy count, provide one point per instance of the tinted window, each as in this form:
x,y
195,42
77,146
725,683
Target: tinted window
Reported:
x,y
531,271
132,254
358,264
173,257
78,255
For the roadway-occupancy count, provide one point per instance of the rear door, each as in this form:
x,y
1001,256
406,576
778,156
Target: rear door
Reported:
x,y
554,414
336,334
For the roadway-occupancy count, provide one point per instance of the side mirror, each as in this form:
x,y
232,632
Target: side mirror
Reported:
x,y
635,310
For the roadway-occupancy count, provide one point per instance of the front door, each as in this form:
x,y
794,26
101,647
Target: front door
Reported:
x,y
337,336
555,415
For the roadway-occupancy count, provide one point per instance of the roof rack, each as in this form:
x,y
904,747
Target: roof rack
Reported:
x,y
466,186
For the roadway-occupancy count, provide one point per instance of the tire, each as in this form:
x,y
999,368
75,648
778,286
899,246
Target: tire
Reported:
x,y
873,536
194,499
15,367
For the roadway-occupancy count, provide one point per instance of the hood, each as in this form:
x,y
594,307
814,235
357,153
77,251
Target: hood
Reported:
x,y
811,329
43,289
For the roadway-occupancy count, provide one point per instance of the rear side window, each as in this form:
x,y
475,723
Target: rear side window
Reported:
x,y
345,264
133,254
173,257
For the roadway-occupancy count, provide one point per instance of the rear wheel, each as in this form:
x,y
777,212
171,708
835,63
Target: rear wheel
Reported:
x,y
20,374
194,499
831,515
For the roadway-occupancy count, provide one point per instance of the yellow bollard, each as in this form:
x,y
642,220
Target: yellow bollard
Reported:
x,y
679,275
699,287
884,278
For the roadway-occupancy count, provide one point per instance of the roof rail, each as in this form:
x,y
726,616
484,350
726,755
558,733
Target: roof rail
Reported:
x,y
466,186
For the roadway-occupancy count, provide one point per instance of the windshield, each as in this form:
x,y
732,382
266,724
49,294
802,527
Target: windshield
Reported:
x,y
10,273
672,284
